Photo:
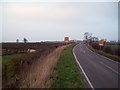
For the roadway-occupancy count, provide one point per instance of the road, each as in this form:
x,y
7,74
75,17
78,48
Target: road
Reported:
x,y
99,71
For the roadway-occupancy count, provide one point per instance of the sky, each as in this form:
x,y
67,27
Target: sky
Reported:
x,y
51,21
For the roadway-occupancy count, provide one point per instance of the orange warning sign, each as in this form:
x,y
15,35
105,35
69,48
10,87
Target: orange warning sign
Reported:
x,y
101,42
66,39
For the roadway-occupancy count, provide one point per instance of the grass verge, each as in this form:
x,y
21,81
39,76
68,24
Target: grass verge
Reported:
x,y
66,74
7,65
113,57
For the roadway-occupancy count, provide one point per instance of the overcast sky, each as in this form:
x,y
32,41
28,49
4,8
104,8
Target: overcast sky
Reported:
x,y
41,21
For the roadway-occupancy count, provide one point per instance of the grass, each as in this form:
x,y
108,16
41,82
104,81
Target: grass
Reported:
x,y
0,65
113,57
66,74
114,47
0,61
7,62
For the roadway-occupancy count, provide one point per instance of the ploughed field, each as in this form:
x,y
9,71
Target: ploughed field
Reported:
x,y
17,59
13,48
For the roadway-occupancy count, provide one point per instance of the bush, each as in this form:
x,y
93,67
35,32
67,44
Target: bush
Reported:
x,y
95,46
108,49
118,51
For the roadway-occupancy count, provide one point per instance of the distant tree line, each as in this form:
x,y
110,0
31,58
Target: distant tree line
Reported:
x,y
109,47
89,39
24,40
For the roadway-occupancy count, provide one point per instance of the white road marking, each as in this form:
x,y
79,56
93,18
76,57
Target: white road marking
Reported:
x,y
102,56
105,64
82,70
90,56
109,67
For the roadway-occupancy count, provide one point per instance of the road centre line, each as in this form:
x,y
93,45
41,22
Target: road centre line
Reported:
x,y
105,64
102,56
109,67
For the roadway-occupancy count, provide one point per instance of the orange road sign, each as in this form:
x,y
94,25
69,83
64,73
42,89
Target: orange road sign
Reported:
x,y
101,42
66,39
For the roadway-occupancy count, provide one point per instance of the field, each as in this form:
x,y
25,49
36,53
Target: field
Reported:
x,y
17,60
114,46
7,65
113,49
66,73
13,48
0,64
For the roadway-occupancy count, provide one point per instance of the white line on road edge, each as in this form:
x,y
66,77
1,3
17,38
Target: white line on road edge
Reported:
x,y
102,56
83,70
105,58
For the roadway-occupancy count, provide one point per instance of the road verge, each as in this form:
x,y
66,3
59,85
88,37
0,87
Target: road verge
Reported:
x,y
66,74
107,55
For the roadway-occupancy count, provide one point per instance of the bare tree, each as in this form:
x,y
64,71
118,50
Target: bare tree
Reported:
x,y
95,39
88,37
25,40
105,41
17,40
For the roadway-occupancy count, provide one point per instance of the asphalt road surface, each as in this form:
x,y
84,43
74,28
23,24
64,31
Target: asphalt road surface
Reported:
x,y
99,71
